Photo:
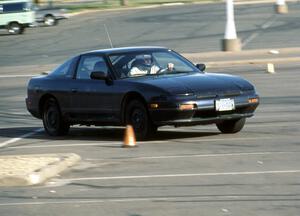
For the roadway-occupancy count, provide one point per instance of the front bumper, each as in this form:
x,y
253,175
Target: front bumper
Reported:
x,y
32,109
204,112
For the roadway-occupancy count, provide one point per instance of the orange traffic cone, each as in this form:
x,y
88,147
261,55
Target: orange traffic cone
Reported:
x,y
129,138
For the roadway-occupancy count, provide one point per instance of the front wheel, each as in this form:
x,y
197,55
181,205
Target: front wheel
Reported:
x,y
53,123
231,126
50,20
137,116
15,28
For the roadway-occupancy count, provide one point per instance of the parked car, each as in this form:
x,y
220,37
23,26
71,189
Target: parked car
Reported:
x,y
16,15
50,16
105,87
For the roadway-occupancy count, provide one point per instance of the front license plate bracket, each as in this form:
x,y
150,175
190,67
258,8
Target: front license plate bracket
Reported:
x,y
226,104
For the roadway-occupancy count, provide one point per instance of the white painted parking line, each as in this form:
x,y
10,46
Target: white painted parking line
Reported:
x,y
173,4
279,115
250,38
223,139
264,26
68,145
101,143
276,121
206,198
16,76
13,140
267,172
268,24
196,156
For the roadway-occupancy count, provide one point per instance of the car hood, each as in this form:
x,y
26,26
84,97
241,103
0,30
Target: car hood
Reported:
x,y
199,83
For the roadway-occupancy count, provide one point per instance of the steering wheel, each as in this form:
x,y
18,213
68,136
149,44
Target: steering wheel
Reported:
x,y
162,70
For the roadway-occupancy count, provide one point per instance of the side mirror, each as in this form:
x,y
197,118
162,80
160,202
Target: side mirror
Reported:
x,y
98,75
201,67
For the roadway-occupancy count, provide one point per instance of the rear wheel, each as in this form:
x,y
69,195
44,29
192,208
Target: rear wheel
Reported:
x,y
137,116
50,20
15,28
53,123
231,126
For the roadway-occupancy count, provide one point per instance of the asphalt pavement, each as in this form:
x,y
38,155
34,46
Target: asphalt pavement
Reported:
x,y
186,28
188,170
183,171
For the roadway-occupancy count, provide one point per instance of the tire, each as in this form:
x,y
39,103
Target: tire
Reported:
x,y
15,28
53,123
137,116
231,126
50,20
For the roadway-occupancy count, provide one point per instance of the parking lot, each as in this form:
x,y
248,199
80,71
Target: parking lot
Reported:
x,y
182,171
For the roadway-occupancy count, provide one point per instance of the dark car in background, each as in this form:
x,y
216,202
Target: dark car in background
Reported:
x,y
146,87
49,15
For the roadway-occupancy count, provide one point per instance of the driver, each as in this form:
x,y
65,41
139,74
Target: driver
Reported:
x,y
170,67
143,65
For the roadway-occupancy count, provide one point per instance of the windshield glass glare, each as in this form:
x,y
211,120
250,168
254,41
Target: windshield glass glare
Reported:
x,y
150,63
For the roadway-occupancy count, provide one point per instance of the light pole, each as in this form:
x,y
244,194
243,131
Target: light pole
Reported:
x,y
230,42
281,7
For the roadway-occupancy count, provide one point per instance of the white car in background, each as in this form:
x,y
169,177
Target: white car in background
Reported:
x,y
49,15
16,15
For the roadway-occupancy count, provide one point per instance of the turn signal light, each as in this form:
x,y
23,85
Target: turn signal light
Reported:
x,y
186,106
253,100
154,106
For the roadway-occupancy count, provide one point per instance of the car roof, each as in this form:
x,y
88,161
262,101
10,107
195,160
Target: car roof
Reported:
x,y
125,50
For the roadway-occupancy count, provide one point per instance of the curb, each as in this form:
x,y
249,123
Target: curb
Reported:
x,y
59,163
252,62
289,50
195,60
246,57
85,11
211,59
247,2
240,2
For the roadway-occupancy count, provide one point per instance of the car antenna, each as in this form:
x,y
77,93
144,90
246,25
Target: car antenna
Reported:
x,y
108,36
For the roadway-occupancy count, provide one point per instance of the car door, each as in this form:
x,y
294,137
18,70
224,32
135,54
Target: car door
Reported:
x,y
92,99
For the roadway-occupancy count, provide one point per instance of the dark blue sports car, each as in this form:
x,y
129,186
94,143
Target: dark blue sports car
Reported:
x,y
146,87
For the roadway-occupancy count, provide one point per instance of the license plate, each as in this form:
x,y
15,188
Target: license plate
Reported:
x,y
226,104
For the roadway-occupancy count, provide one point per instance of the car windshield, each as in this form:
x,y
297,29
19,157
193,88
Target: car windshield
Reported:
x,y
155,63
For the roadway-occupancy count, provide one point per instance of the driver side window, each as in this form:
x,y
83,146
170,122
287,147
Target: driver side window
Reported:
x,y
89,64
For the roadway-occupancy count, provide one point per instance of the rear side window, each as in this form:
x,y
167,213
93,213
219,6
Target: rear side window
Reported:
x,y
13,7
90,63
63,70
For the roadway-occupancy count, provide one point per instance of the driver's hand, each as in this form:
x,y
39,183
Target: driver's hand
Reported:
x,y
170,66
